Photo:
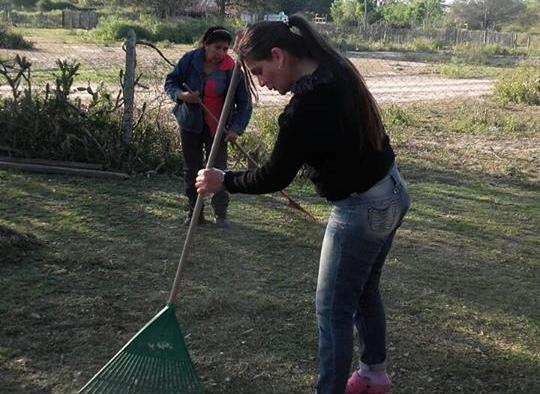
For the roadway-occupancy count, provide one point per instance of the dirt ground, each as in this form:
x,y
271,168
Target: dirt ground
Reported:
x,y
390,80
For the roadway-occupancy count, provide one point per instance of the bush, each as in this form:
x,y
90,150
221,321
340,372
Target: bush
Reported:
x,y
51,125
184,33
114,28
51,19
395,120
260,135
521,85
12,40
187,31
49,5
470,54
423,44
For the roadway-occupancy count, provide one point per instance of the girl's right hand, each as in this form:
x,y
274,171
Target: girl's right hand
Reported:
x,y
192,98
209,180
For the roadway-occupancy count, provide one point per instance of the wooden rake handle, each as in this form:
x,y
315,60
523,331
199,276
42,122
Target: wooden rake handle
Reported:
x,y
198,205
290,201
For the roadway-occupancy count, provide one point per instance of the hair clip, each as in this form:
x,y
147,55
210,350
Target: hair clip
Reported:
x,y
221,31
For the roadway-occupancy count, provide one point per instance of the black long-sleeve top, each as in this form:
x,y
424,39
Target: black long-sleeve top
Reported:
x,y
314,132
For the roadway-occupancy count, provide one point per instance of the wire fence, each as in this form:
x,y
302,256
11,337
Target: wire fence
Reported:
x,y
445,36
394,78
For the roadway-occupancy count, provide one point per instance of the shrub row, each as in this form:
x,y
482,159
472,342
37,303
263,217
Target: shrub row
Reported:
x,y
187,31
51,19
51,125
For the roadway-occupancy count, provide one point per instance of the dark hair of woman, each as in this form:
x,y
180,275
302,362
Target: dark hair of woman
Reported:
x,y
216,34
359,105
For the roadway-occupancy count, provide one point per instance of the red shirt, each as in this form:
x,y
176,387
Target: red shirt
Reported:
x,y
215,90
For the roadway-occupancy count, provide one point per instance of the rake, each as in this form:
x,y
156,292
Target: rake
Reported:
x,y
290,201
156,359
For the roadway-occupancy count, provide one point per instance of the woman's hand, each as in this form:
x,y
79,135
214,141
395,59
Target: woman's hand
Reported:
x,y
209,180
190,97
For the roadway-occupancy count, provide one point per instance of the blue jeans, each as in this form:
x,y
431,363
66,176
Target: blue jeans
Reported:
x,y
358,237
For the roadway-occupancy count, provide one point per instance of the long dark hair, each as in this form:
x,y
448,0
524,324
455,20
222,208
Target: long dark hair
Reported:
x,y
359,105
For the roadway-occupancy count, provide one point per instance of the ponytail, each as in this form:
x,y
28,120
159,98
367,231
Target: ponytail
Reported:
x,y
301,40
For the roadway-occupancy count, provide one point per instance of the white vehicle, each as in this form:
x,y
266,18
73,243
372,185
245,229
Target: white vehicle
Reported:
x,y
281,17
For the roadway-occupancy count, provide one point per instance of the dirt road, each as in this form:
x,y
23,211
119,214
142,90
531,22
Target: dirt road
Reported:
x,y
390,80
408,88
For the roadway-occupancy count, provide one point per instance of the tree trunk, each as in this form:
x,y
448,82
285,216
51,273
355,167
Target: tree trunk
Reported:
x,y
222,8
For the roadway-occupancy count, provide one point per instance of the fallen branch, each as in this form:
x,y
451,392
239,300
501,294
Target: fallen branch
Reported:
x,y
55,163
62,170
495,153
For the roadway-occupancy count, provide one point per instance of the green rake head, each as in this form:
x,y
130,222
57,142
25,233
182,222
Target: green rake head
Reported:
x,y
155,360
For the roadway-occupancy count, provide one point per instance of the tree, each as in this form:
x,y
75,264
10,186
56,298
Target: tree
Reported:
x,y
412,12
424,12
486,14
251,5
320,6
292,6
163,8
352,12
343,12
367,11
396,13
530,19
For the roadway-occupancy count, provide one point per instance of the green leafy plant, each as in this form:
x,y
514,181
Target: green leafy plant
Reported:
x,y
260,135
48,123
187,31
521,85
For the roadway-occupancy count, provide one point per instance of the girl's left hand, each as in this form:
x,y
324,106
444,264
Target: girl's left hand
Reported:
x,y
209,180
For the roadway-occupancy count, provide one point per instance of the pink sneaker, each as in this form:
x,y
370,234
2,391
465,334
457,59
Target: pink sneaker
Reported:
x,y
361,385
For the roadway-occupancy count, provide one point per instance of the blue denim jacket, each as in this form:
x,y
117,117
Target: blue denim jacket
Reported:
x,y
190,117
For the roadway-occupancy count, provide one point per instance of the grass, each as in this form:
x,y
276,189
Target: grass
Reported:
x,y
87,262
456,70
66,36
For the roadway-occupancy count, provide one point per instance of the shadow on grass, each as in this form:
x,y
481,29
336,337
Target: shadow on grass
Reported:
x,y
460,283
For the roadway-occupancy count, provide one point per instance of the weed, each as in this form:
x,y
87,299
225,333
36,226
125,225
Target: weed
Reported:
x,y
459,70
521,85
11,40
52,125
260,135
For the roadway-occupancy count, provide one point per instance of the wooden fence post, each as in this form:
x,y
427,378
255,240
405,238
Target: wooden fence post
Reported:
x,y
129,87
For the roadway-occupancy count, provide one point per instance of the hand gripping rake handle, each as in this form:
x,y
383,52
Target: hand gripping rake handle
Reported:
x,y
198,205
290,202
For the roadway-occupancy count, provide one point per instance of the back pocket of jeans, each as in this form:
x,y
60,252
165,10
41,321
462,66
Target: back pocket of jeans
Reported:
x,y
382,220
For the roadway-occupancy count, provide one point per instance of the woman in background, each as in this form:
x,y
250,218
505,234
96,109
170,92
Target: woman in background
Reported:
x,y
207,72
